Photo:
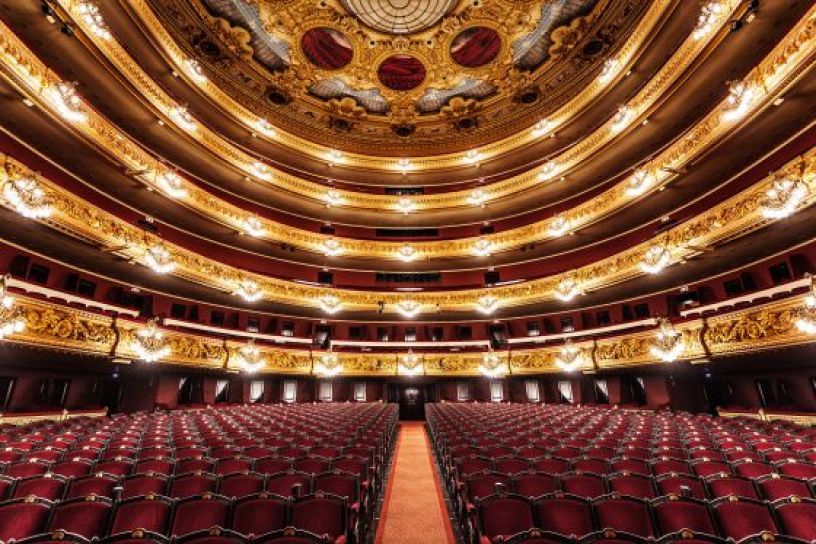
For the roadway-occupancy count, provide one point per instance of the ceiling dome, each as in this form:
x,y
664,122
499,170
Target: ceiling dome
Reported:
x,y
399,16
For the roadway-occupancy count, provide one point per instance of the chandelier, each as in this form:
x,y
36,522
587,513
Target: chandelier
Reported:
x,y
487,304
542,128
567,289
655,259
558,226
807,322
492,366
64,98
404,165
159,259
569,358
330,304
547,171
266,128
333,198
249,357
184,119
477,197
473,156
261,171
89,13
331,247
482,247
709,16
669,344
622,117
254,226
151,344
329,365
608,71
405,205
409,308
11,320
783,198
172,184
740,96
335,156
410,364
195,71
407,253
639,182
249,290
27,197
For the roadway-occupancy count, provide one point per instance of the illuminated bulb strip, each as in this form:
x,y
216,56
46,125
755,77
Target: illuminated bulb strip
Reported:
x,y
331,247
558,226
407,253
487,304
249,291
330,304
405,205
172,184
741,96
261,171
709,19
567,289
408,308
482,247
254,226
28,198
784,198
63,97
159,259
90,16
249,358
655,260
193,69
184,119
639,182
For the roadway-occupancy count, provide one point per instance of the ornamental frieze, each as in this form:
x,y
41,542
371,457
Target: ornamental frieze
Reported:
x,y
48,325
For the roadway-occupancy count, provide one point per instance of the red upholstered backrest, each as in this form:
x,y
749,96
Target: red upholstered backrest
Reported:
x,y
241,485
798,519
22,519
148,514
258,515
85,518
534,485
739,519
673,516
505,516
320,515
198,514
627,515
564,515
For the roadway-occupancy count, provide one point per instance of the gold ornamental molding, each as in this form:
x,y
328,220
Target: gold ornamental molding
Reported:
x,y
791,188
176,115
324,18
768,79
769,326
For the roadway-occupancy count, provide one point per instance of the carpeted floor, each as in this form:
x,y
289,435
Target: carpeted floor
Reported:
x,y
414,511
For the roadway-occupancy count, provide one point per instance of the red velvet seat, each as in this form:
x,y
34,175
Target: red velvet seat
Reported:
x,y
150,513
290,535
673,514
198,514
101,485
188,485
586,485
272,465
632,466
116,467
86,516
283,483
739,518
564,514
321,514
6,485
534,484
679,484
797,469
472,465
51,488
798,517
501,516
752,469
214,535
311,465
511,465
590,464
705,468
194,464
724,486
551,465
259,514
624,514
163,466
23,518
670,466
143,484
241,485
233,465
483,485
775,487
72,468
26,469
633,485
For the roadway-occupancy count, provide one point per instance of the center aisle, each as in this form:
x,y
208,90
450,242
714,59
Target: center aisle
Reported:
x,y
414,511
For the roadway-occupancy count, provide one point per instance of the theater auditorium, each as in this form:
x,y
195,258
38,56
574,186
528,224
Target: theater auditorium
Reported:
x,y
407,271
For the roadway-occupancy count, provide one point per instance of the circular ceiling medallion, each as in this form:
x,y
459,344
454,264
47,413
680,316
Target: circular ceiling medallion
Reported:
x,y
475,47
326,48
401,72
399,16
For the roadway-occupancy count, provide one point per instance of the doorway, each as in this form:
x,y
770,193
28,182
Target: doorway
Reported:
x,y
412,398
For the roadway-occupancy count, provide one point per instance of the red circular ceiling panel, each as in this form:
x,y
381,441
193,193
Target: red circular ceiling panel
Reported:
x,y
475,47
326,48
401,72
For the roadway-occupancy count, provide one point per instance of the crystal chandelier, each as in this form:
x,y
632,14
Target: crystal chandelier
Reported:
x,y
27,197
487,304
408,308
740,96
472,156
622,117
542,128
559,225
655,259
254,226
11,320
477,197
261,171
64,98
329,365
482,247
668,344
331,247
708,18
151,344
195,71
569,358
548,170
410,364
249,290
333,198
330,304
266,128
89,13
639,182
807,321
335,156
249,357
172,184
491,366
407,253
184,119
567,289
783,198
405,205
404,165
159,259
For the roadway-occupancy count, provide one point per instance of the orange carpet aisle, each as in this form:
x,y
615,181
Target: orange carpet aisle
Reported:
x,y
414,511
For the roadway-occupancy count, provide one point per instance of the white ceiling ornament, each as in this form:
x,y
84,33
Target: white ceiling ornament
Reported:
x,y
399,16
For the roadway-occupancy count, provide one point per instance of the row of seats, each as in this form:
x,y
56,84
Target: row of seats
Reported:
x,y
329,454
503,461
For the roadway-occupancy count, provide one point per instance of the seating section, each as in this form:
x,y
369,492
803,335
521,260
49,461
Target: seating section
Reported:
x,y
562,473
272,473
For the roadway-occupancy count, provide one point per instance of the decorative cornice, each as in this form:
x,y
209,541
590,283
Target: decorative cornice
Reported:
x,y
769,326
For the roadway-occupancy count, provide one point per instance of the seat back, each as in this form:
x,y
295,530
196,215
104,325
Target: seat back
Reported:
x,y
564,514
86,516
259,514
